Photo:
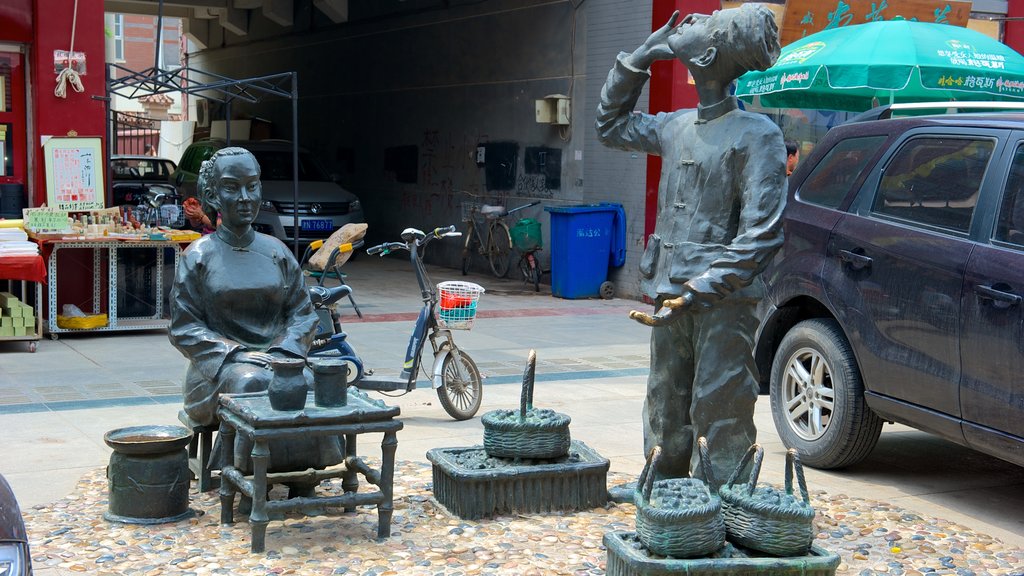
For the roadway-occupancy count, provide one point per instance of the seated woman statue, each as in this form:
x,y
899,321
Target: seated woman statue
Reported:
x,y
238,302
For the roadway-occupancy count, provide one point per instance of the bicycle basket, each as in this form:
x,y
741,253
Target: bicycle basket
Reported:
x,y
457,303
172,215
469,210
526,235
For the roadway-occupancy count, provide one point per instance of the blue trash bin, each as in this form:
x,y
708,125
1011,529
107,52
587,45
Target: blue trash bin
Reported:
x,y
617,257
582,240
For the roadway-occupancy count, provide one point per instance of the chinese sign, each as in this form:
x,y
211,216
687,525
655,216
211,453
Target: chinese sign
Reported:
x,y
74,173
805,17
963,54
588,233
989,74
45,219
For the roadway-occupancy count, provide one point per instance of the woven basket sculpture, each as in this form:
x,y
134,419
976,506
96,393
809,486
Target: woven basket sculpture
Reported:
x,y
529,433
764,518
678,517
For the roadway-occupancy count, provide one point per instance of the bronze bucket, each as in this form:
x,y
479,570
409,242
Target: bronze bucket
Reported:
x,y
148,475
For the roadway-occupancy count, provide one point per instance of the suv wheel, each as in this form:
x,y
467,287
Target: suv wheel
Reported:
x,y
817,397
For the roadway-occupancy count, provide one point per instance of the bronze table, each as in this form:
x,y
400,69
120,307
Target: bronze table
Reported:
x,y
252,416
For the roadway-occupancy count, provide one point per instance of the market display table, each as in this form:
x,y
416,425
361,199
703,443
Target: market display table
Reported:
x,y
107,269
26,269
252,416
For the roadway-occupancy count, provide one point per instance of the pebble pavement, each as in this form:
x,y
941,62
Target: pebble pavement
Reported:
x,y
70,535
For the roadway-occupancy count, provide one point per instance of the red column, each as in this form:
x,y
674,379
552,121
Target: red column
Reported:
x,y
669,91
15,27
80,112
1013,33
16,21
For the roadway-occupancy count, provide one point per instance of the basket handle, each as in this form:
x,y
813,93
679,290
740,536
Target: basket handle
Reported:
x,y
705,462
526,397
793,465
646,481
757,453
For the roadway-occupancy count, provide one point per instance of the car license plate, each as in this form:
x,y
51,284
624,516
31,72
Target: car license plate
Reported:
x,y
316,225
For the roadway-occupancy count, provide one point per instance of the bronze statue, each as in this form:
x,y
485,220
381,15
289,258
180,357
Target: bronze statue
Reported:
x,y
720,201
238,302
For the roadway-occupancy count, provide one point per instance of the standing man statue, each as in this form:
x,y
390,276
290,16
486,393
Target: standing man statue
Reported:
x,y
720,199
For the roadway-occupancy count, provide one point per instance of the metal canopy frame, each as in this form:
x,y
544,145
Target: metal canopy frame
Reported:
x,y
193,81
136,84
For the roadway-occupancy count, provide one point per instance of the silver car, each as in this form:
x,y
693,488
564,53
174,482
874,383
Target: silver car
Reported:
x,y
323,207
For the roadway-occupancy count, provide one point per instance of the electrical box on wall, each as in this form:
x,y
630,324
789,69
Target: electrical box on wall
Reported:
x,y
553,109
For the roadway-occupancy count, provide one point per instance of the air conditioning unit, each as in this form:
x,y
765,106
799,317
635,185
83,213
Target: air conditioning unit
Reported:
x,y
202,113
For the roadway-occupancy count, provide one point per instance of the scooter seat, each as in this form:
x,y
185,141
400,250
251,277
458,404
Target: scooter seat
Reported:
x,y
322,296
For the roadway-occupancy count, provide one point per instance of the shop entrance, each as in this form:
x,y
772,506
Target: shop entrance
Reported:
x,y
13,169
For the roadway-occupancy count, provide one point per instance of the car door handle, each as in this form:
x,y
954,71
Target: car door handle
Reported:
x,y
1000,298
856,261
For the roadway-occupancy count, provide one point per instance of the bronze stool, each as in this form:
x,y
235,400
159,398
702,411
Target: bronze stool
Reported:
x,y
199,450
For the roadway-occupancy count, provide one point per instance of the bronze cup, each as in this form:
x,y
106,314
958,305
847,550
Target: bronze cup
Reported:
x,y
330,382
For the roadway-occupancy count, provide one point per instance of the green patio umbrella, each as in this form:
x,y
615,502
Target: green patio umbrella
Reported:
x,y
857,67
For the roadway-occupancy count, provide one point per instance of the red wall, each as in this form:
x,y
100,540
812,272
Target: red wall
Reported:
x,y
669,91
16,27
16,21
140,40
79,112
1013,33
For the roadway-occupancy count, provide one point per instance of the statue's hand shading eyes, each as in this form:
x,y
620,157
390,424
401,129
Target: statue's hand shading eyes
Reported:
x,y
656,46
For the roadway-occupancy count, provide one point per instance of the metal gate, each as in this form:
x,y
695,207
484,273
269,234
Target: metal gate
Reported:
x,y
135,133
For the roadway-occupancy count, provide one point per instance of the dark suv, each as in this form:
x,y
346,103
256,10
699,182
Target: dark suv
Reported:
x,y
897,294
15,559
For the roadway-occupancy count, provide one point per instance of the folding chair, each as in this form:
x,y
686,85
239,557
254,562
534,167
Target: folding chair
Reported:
x,y
338,256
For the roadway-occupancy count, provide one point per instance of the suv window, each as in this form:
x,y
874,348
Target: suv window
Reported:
x,y
935,181
277,165
833,178
1011,214
195,157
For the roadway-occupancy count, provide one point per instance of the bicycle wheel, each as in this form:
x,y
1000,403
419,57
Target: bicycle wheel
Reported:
x,y
524,267
534,267
460,396
529,270
466,252
499,245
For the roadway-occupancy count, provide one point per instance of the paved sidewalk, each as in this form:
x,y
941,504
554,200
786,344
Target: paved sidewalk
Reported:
x,y
56,404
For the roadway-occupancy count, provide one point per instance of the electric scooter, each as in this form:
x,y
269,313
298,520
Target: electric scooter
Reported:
x,y
453,372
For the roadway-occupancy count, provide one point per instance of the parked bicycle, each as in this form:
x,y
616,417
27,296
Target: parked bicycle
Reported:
x,y
494,242
160,205
451,306
527,240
